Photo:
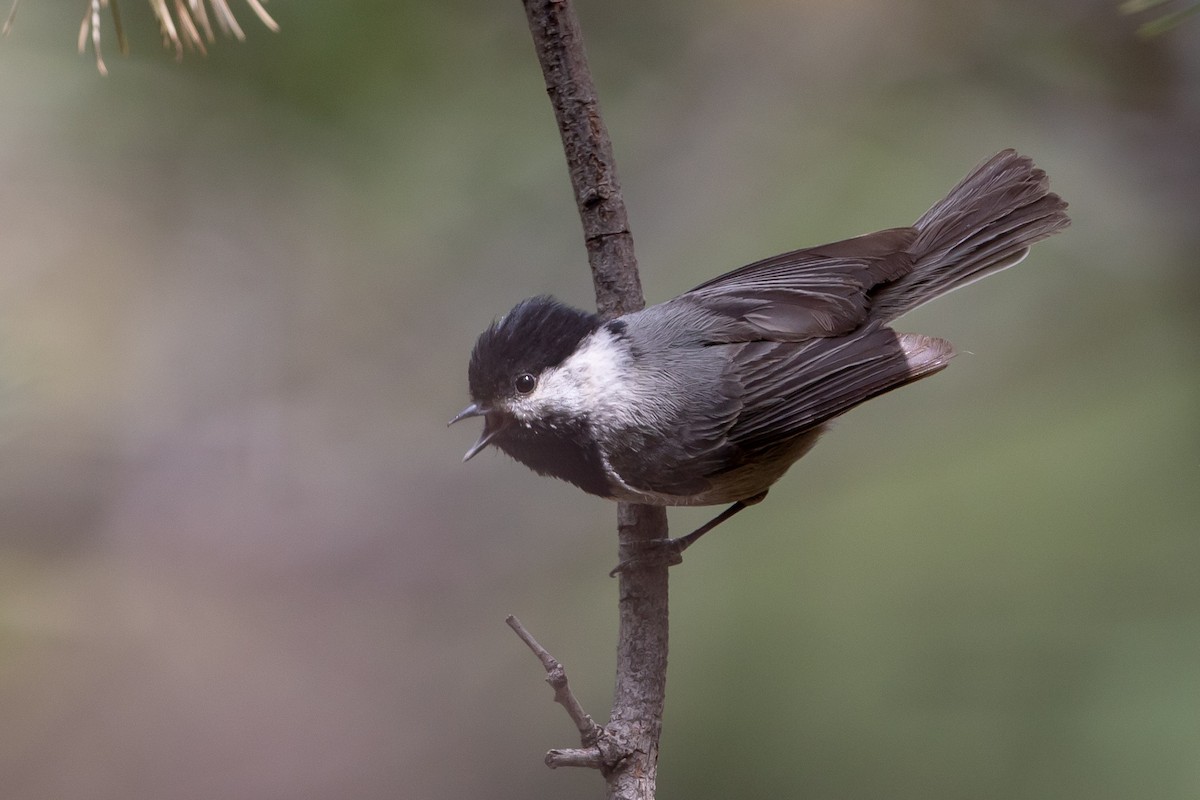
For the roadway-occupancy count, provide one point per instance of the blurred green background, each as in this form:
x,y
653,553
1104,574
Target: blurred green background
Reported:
x,y
239,557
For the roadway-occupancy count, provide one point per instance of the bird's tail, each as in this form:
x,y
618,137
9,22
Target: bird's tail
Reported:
x,y
985,224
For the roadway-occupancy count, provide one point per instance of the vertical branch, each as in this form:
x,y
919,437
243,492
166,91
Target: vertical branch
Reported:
x,y
640,693
635,721
559,45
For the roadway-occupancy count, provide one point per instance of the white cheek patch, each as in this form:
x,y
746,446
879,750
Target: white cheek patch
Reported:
x,y
592,379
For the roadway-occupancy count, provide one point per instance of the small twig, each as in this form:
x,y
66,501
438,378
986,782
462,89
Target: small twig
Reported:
x,y
556,676
589,758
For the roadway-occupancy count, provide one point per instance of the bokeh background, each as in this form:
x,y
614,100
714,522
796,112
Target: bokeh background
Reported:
x,y
239,557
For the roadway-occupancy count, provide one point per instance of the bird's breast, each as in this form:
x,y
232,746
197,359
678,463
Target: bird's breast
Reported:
x,y
563,448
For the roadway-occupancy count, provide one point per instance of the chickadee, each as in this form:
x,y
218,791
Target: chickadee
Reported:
x,y
709,397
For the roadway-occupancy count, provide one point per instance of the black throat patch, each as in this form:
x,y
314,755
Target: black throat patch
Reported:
x,y
562,448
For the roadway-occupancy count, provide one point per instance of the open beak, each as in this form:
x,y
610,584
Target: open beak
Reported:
x,y
492,426
470,411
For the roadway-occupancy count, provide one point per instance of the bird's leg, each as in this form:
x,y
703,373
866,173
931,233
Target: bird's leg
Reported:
x,y
684,542
671,550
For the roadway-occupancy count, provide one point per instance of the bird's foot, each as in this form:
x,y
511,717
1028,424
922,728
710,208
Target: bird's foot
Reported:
x,y
653,553
669,552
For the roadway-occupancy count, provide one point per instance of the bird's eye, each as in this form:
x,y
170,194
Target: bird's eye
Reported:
x,y
525,383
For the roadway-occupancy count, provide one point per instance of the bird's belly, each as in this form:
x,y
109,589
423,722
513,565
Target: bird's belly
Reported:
x,y
739,482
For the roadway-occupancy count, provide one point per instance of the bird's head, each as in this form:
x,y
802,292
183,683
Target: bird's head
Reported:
x,y
514,375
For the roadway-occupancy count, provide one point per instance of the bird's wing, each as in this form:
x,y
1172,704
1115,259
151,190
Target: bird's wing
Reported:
x,y
815,292
754,398
789,389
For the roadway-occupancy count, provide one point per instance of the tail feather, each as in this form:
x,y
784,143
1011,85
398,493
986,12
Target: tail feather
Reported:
x,y
985,224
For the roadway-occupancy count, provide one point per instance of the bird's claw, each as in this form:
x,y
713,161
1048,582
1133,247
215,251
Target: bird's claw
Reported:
x,y
655,553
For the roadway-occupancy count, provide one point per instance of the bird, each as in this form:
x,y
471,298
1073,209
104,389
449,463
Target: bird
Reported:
x,y
709,398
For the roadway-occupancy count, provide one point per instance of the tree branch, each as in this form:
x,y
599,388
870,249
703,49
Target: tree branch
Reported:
x,y
559,44
589,757
635,721
556,676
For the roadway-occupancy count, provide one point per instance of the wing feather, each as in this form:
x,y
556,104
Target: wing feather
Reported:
x,y
771,395
790,389
815,292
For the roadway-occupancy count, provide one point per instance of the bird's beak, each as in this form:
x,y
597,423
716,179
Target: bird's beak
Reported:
x,y
470,411
492,426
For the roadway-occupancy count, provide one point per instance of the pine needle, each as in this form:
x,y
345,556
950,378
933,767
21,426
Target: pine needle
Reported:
x,y
184,24
12,12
